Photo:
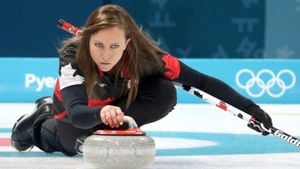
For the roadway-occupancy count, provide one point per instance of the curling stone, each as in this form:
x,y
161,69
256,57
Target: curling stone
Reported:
x,y
119,149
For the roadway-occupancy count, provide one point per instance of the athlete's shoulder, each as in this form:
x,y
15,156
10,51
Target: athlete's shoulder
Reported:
x,y
172,66
68,54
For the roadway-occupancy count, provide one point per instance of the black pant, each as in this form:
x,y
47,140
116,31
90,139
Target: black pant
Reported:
x,y
155,99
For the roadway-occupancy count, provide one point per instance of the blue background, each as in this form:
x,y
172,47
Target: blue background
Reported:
x,y
209,35
13,89
186,28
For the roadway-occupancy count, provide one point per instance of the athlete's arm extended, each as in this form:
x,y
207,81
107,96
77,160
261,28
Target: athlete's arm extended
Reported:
x,y
183,74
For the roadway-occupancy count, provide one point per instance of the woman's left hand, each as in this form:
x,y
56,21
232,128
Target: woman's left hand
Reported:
x,y
261,122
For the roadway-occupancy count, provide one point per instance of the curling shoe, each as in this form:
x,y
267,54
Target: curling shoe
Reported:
x,y
22,131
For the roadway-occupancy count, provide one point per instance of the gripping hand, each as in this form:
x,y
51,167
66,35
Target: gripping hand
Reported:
x,y
261,122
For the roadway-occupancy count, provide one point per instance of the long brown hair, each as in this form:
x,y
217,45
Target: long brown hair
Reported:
x,y
142,55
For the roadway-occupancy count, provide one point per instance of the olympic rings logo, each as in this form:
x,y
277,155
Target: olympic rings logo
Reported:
x,y
265,81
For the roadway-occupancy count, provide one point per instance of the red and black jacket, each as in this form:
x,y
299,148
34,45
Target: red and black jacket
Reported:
x,y
72,104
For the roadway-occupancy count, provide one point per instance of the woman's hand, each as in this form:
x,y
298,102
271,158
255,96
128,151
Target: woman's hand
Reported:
x,y
112,116
262,122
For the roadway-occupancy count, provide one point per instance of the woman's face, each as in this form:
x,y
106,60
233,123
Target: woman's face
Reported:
x,y
107,47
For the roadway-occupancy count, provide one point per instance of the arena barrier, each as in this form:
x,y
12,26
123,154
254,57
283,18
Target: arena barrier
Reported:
x,y
263,80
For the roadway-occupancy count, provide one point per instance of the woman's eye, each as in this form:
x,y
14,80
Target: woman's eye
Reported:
x,y
114,46
98,45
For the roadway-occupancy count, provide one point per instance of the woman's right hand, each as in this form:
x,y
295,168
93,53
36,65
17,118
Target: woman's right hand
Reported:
x,y
112,116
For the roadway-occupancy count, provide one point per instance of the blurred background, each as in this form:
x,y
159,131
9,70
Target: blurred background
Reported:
x,y
186,28
227,39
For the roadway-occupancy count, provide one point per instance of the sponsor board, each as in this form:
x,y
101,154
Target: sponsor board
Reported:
x,y
262,80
